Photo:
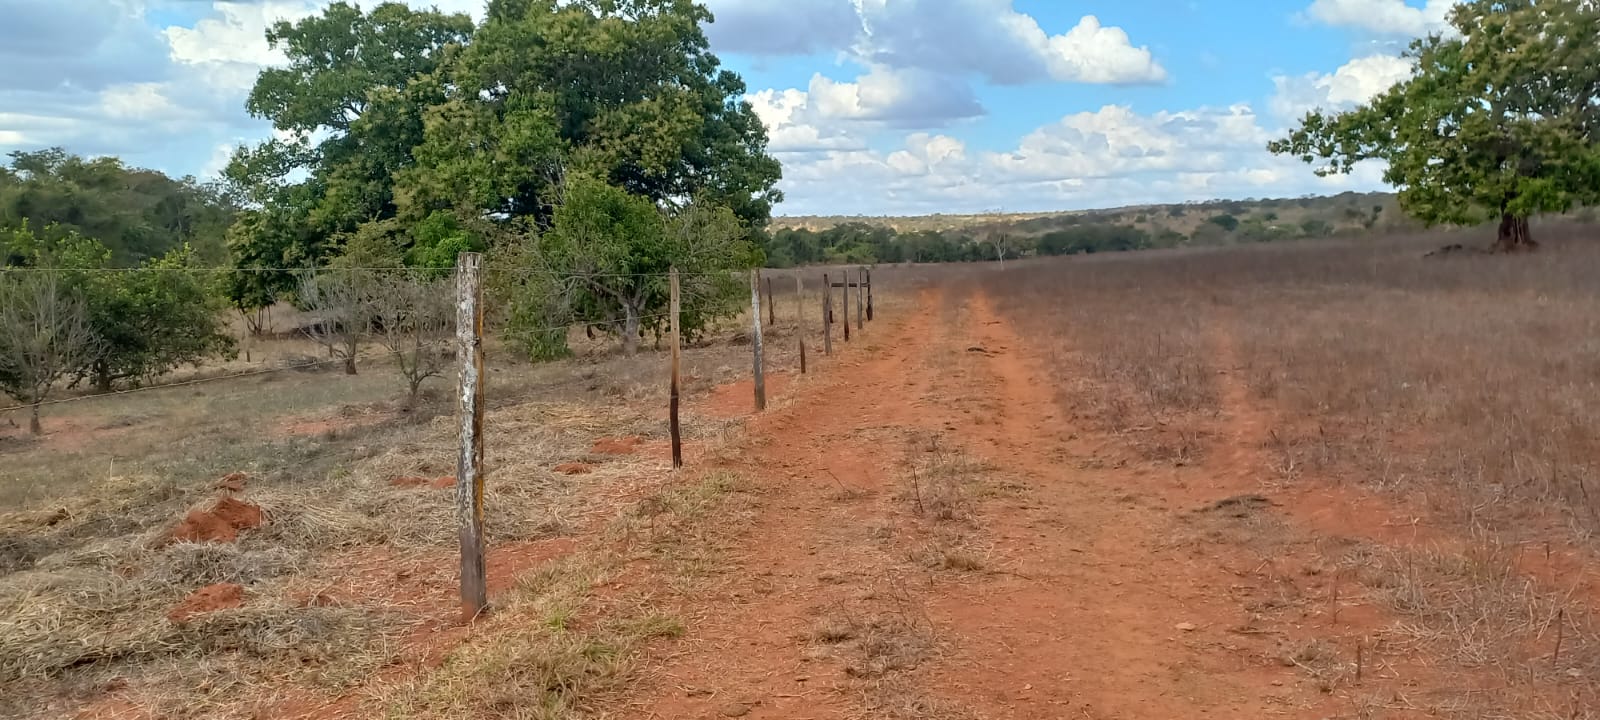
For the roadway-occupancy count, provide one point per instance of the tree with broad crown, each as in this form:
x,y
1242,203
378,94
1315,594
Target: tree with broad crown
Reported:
x,y
625,91
1499,120
352,111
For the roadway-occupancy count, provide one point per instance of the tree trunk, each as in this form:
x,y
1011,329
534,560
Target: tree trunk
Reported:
x,y
350,365
416,390
102,377
630,331
1514,235
34,426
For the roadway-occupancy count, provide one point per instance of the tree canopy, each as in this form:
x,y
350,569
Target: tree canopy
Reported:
x,y
1498,120
448,134
138,214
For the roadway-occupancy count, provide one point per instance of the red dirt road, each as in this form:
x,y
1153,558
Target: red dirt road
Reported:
x,y
1096,592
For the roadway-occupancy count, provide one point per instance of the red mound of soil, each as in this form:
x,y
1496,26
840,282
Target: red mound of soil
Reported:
x,y
574,468
211,598
616,446
232,482
221,523
443,483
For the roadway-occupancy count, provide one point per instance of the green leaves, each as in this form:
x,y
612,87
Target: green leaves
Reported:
x,y
626,92
138,214
143,321
1498,122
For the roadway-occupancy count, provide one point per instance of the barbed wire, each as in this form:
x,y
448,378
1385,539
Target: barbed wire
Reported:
x,y
219,378
526,272
613,323
297,367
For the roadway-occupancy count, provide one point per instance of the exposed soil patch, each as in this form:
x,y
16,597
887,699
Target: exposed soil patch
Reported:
x,y
574,468
211,598
616,446
737,399
219,523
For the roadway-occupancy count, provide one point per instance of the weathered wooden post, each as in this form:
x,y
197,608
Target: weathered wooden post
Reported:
x,y
860,304
677,349
800,317
772,307
844,306
469,465
827,316
755,339
869,296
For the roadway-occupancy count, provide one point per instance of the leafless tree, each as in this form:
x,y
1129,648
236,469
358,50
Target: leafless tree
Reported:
x,y
341,301
412,318
44,337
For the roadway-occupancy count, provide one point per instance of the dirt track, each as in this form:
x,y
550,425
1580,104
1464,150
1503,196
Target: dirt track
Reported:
x,y
1097,594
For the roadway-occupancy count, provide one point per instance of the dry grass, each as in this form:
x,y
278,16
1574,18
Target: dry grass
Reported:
x,y
1467,384
86,580
940,481
556,646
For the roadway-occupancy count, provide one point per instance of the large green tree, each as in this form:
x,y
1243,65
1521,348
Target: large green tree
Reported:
x,y
1497,122
350,112
627,91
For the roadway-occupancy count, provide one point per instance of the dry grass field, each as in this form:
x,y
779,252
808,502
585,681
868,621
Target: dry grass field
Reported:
x,y
1328,479
1433,420
314,507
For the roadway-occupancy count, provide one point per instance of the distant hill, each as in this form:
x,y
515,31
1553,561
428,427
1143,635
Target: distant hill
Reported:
x,y
1348,211
800,240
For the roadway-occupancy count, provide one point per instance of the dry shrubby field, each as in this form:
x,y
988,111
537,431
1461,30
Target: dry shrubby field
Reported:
x,y
193,550
1461,392
1319,479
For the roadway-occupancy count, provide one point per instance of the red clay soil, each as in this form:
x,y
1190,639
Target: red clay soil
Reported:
x,y
616,446
211,598
1095,593
574,468
737,399
220,523
1098,596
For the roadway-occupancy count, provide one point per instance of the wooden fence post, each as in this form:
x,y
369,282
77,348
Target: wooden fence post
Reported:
x,y
677,349
869,296
772,307
844,306
860,304
469,465
827,316
800,317
755,339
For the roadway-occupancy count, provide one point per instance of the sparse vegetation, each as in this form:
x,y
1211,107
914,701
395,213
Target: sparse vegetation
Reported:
x,y
1366,365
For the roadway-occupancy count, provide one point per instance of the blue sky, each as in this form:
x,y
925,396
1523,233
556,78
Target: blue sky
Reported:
x,y
874,106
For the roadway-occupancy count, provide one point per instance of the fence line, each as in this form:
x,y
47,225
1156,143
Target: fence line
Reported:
x,y
469,341
216,378
444,273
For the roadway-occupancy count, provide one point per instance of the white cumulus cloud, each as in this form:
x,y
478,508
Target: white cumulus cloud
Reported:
x,y
1104,158
1350,85
1384,17
991,39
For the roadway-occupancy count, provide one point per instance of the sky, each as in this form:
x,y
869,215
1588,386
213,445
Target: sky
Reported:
x,y
874,107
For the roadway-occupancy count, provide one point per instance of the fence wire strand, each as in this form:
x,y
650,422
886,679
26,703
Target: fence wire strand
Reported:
x,y
359,356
